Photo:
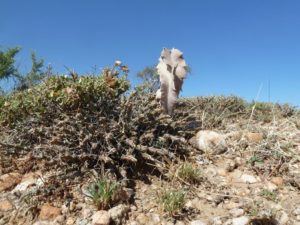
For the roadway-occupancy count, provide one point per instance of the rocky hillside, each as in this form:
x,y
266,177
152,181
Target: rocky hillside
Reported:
x,y
85,150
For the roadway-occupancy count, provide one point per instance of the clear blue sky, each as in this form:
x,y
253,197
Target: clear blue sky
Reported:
x,y
233,46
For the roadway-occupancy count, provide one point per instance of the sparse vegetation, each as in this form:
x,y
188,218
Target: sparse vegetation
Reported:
x,y
67,127
104,192
189,173
172,201
268,194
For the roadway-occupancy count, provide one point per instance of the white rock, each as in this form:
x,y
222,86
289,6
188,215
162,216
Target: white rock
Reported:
x,y
155,218
86,213
248,179
284,218
118,213
198,222
271,186
179,223
236,212
133,223
210,142
243,220
217,221
297,211
298,218
228,222
70,221
44,222
101,217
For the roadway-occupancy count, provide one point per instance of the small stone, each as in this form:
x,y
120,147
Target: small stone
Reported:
x,y
72,206
42,223
86,213
210,172
297,211
133,208
28,180
167,223
70,221
80,221
232,205
284,218
10,180
60,219
6,205
209,142
180,223
49,212
222,172
231,166
298,218
248,179
254,138
101,217
118,213
277,180
235,135
271,186
217,221
64,209
238,161
189,204
236,212
155,219
133,223
243,220
142,219
198,222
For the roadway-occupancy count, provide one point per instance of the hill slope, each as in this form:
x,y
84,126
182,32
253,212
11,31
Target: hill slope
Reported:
x,y
82,150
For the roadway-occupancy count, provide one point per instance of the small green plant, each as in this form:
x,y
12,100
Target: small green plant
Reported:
x,y
104,192
172,201
268,194
189,174
255,159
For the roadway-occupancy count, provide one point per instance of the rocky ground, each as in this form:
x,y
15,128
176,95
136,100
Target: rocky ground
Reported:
x,y
216,161
236,185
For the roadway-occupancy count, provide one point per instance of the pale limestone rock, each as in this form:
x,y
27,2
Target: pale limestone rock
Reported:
x,y
198,222
236,212
249,179
101,217
118,213
210,142
243,220
284,218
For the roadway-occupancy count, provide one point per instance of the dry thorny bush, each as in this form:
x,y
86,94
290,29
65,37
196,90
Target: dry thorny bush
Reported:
x,y
73,124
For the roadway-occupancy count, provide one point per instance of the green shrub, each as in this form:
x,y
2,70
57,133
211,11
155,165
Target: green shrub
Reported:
x,y
59,93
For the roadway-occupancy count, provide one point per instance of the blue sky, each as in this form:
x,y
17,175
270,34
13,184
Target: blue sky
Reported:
x,y
232,46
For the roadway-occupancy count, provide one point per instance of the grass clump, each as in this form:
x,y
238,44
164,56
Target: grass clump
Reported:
x,y
189,174
104,192
268,195
172,202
